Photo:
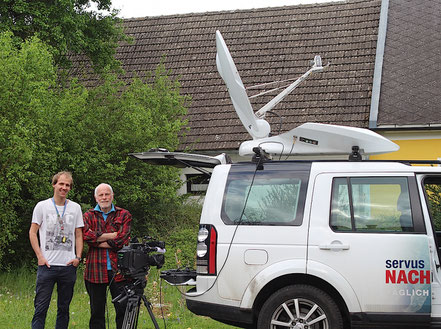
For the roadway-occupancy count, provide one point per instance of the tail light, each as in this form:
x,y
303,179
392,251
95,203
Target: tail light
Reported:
x,y
206,250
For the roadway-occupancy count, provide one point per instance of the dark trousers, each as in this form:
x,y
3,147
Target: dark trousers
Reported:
x,y
97,295
64,277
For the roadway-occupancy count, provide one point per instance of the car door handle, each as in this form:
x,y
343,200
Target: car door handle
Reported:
x,y
334,246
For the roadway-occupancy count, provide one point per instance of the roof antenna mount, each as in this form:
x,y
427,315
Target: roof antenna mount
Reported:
x,y
259,157
355,155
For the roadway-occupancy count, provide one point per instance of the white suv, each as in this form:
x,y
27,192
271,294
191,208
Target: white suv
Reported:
x,y
312,244
316,244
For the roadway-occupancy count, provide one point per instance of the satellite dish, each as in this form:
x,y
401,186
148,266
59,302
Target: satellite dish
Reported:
x,y
254,123
257,128
309,138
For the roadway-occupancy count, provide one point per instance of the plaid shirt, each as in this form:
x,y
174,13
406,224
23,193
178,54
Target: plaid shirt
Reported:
x,y
96,259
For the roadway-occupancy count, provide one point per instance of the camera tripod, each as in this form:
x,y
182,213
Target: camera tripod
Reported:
x,y
134,293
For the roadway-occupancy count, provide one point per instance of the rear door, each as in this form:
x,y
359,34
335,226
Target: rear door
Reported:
x,y
181,160
261,228
368,231
195,168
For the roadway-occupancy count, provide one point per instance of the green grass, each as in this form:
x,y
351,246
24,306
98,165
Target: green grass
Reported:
x,y
17,297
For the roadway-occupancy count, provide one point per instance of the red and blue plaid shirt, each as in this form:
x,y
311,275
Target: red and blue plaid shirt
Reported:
x,y
96,259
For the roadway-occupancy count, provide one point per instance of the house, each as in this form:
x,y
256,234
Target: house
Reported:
x,y
384,72
406,95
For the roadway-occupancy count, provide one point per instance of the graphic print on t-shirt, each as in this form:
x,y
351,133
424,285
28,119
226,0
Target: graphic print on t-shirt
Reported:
x,y
60,231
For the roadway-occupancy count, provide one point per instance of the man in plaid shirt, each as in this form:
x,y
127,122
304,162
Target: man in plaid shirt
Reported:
x,y
106,230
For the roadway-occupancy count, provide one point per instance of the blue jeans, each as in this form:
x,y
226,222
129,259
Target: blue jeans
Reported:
x,y
64,277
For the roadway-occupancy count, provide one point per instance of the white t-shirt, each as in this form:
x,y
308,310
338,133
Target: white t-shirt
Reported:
x,y
57,233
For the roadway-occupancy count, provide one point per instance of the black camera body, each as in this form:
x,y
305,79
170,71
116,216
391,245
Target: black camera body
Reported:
x,y
135,259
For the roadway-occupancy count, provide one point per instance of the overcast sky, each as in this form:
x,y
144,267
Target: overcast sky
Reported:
x,y
142,8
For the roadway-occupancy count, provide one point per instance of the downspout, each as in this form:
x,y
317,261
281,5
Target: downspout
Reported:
x,y
376,87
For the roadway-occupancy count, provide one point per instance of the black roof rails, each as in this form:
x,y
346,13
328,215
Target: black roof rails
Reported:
x,y
410,162
406,162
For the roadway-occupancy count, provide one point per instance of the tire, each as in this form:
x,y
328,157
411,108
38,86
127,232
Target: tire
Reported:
x,y
279,311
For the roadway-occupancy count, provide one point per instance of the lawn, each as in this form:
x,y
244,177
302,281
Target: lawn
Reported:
x,y
17,296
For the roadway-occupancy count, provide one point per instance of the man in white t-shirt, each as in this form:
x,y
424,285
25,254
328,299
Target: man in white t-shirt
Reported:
x,y
59,223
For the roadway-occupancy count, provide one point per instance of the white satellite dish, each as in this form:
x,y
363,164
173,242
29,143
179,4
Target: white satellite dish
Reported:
x,y
309,138
257,128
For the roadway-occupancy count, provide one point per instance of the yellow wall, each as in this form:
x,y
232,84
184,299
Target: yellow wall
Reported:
x,y
416,149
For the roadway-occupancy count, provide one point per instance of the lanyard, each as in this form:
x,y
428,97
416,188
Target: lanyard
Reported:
x,y
56,209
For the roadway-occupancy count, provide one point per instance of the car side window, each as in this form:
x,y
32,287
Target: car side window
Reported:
x,y
340,208
432,187
371,204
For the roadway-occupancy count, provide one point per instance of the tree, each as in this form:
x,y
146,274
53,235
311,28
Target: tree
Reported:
x,y
46,127
67,27
114,120
26,78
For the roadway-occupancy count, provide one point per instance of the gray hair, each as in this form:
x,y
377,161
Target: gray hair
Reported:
x,y
103,184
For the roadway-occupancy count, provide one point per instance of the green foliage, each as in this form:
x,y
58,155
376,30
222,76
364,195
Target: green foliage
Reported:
x,y
45,128
181,249
183,226
118,120
434,197
25,80
67,26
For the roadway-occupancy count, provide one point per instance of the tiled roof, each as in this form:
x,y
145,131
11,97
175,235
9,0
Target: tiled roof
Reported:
x,y
268,44
411,79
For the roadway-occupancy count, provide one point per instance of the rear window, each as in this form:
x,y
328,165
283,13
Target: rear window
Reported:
x,y
272,196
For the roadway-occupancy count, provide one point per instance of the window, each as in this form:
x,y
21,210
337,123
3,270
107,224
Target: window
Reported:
x,y
432,186
269,198
197,183
378,204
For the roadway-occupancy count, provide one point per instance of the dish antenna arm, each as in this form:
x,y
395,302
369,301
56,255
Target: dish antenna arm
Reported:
x,y
316,67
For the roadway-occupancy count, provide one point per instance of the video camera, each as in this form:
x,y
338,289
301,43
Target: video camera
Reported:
x,y
135,259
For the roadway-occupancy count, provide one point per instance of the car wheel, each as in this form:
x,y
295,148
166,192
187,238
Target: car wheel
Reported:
x,y
300,307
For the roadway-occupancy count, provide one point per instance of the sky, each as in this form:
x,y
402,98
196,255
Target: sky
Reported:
x,y
142,8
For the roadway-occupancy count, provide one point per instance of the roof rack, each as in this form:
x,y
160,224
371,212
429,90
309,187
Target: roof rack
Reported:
x,y
405,162
410,162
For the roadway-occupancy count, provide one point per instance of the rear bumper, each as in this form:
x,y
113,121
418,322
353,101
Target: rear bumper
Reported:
x,y
221,313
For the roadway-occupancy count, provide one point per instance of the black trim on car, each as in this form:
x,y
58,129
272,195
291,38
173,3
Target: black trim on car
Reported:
x,y
226,314
401,320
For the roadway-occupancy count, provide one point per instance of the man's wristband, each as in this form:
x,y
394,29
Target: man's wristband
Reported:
x,y
79,258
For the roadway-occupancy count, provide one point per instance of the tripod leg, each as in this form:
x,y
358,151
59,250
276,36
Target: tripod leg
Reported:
x,y
148,305
132,312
